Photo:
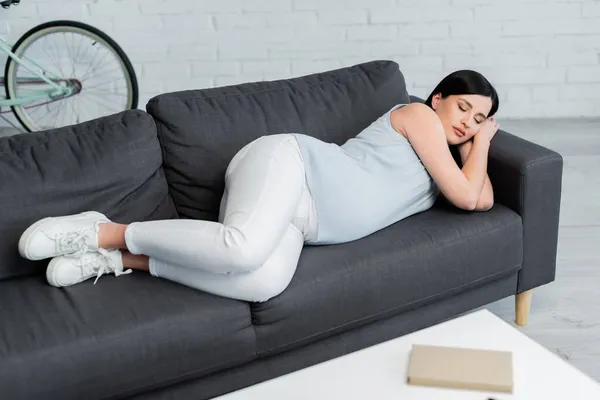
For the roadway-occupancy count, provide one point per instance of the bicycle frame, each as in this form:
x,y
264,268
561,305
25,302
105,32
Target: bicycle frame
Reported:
x,y
56,89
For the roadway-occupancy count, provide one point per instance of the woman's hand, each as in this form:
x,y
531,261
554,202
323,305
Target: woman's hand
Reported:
x,y
464,149
487,130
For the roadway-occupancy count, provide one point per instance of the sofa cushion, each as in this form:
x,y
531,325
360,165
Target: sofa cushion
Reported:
x,y
111,164
424,258
122,335
201,130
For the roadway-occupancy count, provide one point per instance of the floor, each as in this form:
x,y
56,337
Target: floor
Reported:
x,y
565,315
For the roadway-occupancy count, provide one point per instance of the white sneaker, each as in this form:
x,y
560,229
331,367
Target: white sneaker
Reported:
x,y
69,270
57,236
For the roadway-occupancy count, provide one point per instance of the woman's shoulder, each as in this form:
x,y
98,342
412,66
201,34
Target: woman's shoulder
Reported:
x,y
411,113
414,109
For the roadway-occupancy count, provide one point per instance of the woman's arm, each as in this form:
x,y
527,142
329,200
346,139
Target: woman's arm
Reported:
x,y
486,197
424,130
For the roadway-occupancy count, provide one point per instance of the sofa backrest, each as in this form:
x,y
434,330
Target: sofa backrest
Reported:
x,y
201,130
110,164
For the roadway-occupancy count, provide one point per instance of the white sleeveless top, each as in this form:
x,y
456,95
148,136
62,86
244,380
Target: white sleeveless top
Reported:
x,y
370,182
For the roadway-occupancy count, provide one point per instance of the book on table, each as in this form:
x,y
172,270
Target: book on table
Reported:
x,y
460,368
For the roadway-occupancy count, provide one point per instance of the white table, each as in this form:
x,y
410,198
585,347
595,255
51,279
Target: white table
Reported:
x,y
379,372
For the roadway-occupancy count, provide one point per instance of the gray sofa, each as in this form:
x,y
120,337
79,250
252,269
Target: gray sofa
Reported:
x,y
137,336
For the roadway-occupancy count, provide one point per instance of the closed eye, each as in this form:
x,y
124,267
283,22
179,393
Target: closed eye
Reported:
x,y
471,106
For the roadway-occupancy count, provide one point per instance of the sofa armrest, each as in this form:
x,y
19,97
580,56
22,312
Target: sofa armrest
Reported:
x,y
527,178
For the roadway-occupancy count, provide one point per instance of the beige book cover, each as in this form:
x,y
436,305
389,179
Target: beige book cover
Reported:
x,y
461,368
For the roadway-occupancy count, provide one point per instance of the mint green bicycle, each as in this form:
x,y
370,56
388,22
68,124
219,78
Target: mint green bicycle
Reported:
x,y
62,73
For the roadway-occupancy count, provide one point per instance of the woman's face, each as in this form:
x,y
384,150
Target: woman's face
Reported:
x,y
462,115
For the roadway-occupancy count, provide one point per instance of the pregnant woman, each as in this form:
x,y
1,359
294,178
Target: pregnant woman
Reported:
x,y
283,191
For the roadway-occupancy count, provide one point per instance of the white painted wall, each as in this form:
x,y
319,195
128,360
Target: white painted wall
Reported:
x,y
542,55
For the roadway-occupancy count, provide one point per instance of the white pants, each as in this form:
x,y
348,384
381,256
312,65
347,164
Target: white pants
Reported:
x,y
266,215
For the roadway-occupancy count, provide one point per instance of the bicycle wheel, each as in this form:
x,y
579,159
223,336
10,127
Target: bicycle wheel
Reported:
x,y
96,74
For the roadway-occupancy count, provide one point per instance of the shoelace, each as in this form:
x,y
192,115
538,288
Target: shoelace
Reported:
x,y
105,265
74,243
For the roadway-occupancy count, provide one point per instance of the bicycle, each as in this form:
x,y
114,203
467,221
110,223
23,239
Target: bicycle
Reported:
x,y
67,98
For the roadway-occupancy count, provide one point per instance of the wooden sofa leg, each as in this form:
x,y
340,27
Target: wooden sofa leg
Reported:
x,y
522,306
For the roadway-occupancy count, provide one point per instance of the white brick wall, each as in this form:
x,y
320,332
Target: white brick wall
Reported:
x,y
542,55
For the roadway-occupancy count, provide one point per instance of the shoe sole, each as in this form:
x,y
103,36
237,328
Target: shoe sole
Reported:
x,y
25,239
